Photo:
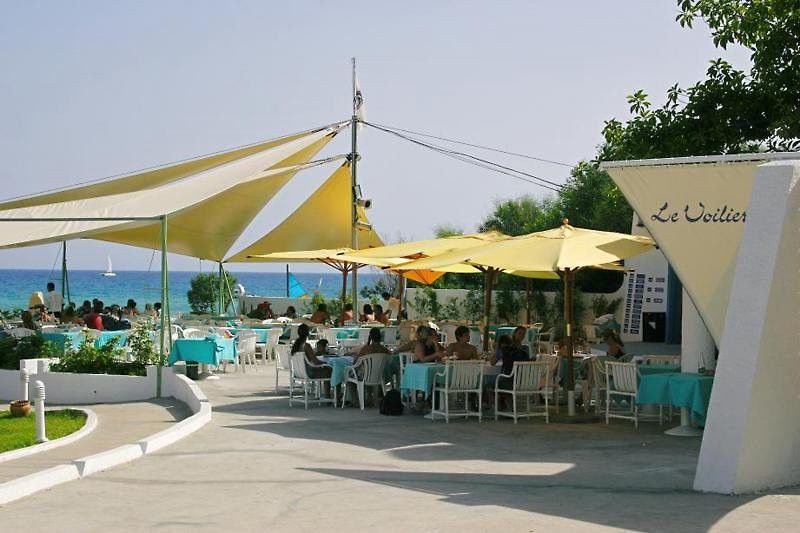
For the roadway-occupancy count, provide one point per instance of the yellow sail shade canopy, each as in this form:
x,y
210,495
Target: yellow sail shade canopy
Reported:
x,y
207,209
320,224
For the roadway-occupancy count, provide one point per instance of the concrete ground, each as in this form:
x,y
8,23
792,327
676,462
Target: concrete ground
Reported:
x,y
117,424
262,466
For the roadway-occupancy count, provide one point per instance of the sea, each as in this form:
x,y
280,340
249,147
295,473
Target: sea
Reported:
x,y
16,286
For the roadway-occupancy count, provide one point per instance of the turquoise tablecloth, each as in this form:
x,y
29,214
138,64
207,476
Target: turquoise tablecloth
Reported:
x,y
120,337
60,338
209,351
420,376
646,370
346,333
261,333
338,366
681,390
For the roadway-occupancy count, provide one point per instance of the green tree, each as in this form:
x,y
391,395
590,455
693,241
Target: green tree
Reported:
x,y
522,215
731,110
203,294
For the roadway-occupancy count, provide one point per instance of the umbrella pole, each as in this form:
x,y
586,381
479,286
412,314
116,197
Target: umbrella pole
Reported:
x,y
489,275
344,286
528,286
569,279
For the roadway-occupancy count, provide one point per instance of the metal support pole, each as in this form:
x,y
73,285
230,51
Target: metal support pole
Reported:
x,y
354,183
220,282
64,286
489,275
569,280
38,397
166,333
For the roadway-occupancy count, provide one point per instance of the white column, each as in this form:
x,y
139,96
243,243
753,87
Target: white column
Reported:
x,y
752,437
697,345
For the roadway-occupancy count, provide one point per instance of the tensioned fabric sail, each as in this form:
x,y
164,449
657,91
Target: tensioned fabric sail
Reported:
x,y
215,194
696,210
148,179
321,222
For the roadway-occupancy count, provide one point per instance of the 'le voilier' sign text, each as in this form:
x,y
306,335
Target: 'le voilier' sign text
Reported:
x,y
698,213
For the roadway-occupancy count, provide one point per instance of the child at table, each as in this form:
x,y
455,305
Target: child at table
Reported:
x,y
315,368
322,348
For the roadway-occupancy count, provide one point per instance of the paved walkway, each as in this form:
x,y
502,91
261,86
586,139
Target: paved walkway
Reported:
x,y
117,424
262,466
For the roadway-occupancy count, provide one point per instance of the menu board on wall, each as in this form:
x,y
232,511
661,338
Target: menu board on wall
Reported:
x,y
633,303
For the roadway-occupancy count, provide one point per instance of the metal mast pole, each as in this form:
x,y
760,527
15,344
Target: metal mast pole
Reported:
x,y
354,199
64,283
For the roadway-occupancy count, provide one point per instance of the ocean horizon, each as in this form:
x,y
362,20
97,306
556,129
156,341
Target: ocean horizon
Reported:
x,y
16,285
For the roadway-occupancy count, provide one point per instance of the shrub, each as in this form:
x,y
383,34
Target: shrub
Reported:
x,y
88,359
12,350
426,304
452,309
474,305
602,306
508,306
143,347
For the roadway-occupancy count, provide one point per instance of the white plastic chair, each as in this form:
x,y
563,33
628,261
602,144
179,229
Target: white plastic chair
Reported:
x,y
529,378
545,342
371,368
246,348
300,375
554,363
459,377
283,363
194,333
595,386
177,331
19,333
622,381
268,348
390,334
329,334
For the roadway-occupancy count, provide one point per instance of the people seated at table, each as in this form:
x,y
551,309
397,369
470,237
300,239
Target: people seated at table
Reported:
x,y
368,315
347,314
408,346
518,337
509,354
321,315
374,344
84,309
462,349
94,319
130,309
321,348
69,316
380,316
615,346
28,322
291,312
148,310
427,348
392,305
315,368
507,348
157,309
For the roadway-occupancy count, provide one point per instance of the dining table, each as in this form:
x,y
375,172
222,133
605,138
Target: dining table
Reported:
x,y
680,389
211,350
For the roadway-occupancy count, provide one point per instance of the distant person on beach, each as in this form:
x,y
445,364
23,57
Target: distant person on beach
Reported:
x,y
148,310
53,299
157,309
94,319
69,316
27,321
85,308
130,308
291,312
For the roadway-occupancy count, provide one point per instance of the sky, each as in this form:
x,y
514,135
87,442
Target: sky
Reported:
x,y
94,89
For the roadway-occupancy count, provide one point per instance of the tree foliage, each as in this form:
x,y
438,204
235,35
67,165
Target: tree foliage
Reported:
x,y
731,110
203,294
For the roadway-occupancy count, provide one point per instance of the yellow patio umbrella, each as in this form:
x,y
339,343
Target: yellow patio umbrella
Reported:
x,y
333,257
562,250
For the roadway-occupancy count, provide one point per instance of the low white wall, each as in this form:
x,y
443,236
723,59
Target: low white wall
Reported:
x,y
65,388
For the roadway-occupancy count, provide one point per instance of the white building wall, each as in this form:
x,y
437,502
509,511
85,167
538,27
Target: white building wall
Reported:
x,y
752,436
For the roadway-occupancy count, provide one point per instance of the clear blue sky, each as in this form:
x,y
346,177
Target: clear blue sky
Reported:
x,y
92,89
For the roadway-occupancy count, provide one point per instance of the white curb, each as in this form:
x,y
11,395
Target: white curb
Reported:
x,y
86,466
88,427
27,485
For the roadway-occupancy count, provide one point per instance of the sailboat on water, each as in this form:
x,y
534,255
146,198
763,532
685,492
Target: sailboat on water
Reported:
x,y
109,273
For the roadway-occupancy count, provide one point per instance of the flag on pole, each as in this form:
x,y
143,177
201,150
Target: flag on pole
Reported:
x,y
358,104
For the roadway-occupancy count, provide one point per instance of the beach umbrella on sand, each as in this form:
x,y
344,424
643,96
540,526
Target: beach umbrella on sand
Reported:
x,y
563,250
